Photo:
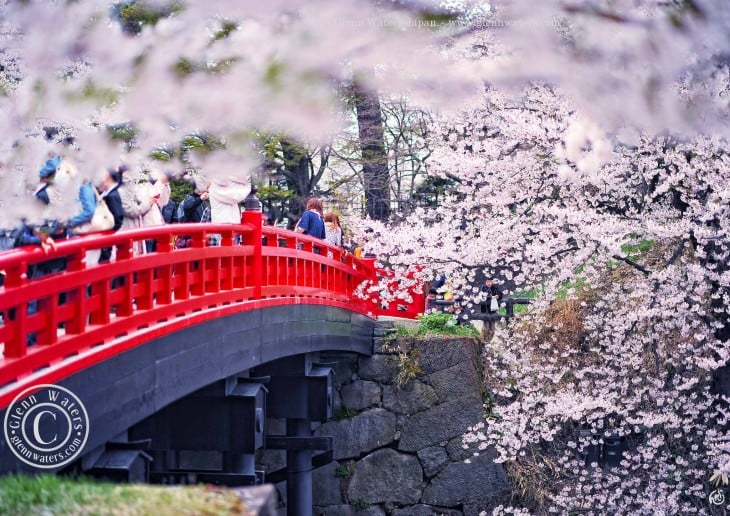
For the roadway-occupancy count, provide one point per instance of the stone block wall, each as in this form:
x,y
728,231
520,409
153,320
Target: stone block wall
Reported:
x,y
398,448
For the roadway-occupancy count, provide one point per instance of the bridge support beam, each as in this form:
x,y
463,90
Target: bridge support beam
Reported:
x,y
299,390
209,436
299,471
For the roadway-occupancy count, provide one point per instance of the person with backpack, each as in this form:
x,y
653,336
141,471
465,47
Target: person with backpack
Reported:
x,y
193,208
169,212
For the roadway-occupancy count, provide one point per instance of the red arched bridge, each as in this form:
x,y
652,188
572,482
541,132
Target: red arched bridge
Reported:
x,y
178,356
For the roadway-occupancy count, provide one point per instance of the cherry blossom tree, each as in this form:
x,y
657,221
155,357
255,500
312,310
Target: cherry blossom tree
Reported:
x,y
620,235
623,244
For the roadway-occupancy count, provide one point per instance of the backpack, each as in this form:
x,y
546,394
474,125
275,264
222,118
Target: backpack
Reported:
x,y
180,214
8,239
169,212
205,217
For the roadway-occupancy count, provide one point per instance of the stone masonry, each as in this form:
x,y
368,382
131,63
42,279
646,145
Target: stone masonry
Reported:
x,y
397,447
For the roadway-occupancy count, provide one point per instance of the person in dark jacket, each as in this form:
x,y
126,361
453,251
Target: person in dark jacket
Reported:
x,y
193,206
490,291
52,228
110,195
30,235
46,174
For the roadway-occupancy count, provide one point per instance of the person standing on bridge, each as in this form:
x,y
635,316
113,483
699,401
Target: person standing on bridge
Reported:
x,y
136,202
194,208
109,187
332,229
46,174
225,195
311,222
158,188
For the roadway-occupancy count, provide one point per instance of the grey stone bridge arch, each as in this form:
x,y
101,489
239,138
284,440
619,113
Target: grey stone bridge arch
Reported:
x,y
136,397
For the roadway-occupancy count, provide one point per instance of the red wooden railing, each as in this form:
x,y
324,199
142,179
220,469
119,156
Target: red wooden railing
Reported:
x,y
161,292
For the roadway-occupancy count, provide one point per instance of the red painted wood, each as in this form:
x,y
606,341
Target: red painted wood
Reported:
x,y
162,292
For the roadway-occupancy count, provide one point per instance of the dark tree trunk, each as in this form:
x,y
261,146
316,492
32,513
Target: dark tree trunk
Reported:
x,y
296,171
296,168
374,157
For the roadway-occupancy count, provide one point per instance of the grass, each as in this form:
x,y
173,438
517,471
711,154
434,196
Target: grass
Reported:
x,y
435,323
408,367
520,309
404,341
344,413
345,470
52,495
577,285
634,251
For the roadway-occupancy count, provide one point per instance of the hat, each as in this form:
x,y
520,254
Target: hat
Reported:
x,y
49,167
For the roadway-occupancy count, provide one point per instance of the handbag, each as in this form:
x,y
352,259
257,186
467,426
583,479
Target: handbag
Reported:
x,y
494,305
102,220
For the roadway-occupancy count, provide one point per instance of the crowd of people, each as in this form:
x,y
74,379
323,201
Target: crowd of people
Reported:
x,y
128,201
117,198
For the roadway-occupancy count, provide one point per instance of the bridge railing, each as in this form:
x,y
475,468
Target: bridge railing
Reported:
x,y
407,297
59,315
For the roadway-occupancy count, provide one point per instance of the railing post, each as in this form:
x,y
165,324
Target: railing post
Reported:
x,y
509,308
371,273
252,215
369,261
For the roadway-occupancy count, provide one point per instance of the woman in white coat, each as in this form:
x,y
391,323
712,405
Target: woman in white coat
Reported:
x,y
157,188
225,196
136,202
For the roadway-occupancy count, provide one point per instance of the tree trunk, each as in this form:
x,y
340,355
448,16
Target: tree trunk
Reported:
x,y
296,172
374,158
